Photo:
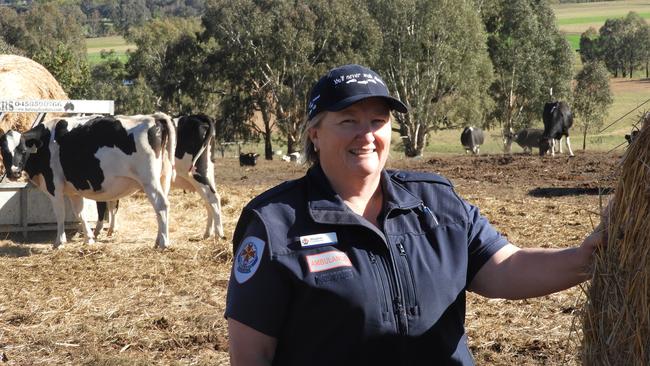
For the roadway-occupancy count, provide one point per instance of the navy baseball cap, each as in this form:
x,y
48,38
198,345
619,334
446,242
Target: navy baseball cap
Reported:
x,y
345,85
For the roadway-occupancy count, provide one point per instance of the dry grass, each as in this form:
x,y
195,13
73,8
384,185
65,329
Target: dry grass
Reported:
x,y
120,302
617,320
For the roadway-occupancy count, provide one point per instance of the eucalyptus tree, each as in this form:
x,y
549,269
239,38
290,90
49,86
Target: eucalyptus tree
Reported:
x,y
157,58
434,58
530,57
592,97
273,54
610,41
589,50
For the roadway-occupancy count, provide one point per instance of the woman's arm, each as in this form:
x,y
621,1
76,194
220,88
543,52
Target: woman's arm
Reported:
x,y
248,347
515,273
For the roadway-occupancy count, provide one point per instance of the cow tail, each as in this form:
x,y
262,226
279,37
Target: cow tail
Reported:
x,y
205,144
171,145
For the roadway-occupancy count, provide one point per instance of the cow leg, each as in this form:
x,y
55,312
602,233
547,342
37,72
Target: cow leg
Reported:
x,y
213,204
552,147
102,211
161,207
112,216
568,146
77,203
58,206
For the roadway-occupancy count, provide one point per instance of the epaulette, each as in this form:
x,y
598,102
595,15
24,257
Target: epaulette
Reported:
x,y
412,176
275,191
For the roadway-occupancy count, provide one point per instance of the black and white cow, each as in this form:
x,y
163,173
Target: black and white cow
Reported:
x,y
96,157
194,171
472,138
527,138
558,119
249,159
195,168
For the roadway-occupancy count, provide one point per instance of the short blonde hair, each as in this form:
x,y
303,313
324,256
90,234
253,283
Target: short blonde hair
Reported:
x,y
309,154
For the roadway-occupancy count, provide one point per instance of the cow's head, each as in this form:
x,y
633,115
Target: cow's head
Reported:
x,y
15,149
545,145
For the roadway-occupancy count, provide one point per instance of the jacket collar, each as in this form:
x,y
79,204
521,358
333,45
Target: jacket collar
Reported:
x,y
325,206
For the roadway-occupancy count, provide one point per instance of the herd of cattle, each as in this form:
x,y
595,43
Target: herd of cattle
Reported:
x,y
557,118
105,158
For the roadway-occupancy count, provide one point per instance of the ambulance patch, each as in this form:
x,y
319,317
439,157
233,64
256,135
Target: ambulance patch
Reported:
x,y
248,258
327,260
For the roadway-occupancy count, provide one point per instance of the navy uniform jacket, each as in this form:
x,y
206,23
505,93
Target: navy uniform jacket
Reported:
x,y
336,290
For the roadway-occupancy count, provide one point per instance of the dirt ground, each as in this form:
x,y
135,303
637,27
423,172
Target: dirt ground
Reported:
x,y
120,302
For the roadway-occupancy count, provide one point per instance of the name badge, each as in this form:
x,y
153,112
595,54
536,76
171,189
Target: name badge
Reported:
x,y
318,239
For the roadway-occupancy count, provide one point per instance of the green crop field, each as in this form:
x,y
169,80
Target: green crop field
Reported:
x,y
94,47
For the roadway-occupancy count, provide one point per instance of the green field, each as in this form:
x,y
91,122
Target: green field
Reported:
x,y
118,44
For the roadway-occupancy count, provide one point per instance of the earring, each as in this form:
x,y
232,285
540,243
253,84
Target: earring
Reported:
x,y
315,148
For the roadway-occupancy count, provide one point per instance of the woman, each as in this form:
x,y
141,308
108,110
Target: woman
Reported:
x,y
354,264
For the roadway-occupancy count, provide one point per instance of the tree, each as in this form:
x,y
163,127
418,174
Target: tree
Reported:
x,y
530,58
592,96
271,56
435,60
589,45
111,81
610,42
159,60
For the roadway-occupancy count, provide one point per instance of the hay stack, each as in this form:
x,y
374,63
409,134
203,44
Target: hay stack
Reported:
x,y
616,322
22,78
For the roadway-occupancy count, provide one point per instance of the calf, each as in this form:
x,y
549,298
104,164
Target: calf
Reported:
x,y
527,138
472,138
100,158
249,159
194,170
558,119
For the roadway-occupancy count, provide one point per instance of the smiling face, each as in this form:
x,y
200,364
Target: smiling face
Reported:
x,y
354,142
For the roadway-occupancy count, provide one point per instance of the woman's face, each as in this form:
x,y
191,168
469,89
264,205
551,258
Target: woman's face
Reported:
x,y
355,141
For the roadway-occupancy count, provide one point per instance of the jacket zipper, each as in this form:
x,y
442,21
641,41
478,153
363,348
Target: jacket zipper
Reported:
x,y
380,285
410,283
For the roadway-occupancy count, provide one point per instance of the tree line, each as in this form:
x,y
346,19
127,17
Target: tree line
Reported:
x,y
622,44
488,63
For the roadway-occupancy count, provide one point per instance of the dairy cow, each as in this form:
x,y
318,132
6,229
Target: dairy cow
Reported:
x,y
194,171
558,119
100,158
527,138
472,138
195,168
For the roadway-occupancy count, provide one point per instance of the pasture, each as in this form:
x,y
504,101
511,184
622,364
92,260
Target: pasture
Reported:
x,y
120,302
94,46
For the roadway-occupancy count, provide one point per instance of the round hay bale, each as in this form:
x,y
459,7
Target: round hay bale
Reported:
x,y
616,320
22,78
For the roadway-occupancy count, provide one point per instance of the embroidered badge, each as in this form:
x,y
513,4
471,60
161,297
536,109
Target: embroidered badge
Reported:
x,y
248,258
318,239
327,260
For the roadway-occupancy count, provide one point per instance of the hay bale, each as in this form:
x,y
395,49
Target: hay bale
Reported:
x,y
616,320
22,78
